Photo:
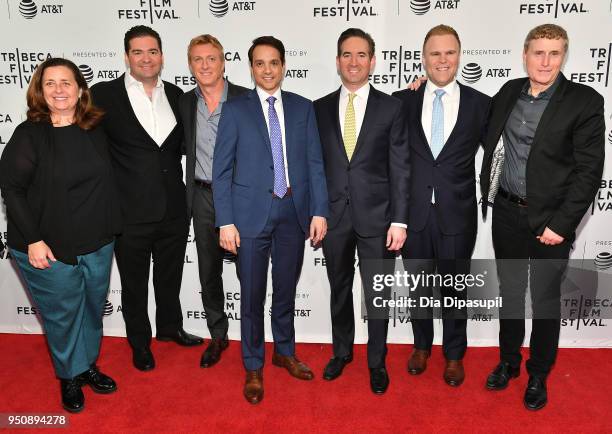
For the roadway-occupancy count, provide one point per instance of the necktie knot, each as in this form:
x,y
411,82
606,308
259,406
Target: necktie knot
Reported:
x,y
439,93
271,100
351,97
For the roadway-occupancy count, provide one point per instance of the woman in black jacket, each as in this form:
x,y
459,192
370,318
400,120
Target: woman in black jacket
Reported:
x,y
57,184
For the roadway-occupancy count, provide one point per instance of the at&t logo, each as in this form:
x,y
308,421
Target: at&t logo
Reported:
x,y
28,9
610,137
472,72
421,7
603,261
220,8
346,9
87,72
108,308
554,8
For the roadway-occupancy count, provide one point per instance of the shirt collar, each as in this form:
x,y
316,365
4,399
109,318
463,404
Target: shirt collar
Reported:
x,y
362,92
223,94
545,94
263,95
131,81
450,89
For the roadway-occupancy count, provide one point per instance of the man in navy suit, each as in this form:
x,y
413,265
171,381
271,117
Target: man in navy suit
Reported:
x,y
269,197
448,122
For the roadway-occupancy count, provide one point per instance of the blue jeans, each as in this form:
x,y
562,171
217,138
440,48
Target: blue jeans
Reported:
x,y
70,299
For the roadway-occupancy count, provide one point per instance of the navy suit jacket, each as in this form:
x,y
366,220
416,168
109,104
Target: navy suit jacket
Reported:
x,y
243,171
452,173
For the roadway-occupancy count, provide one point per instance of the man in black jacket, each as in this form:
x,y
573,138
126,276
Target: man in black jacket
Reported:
x,y
200,110
542,166
141,122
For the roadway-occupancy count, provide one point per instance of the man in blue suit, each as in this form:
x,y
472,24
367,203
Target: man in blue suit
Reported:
x,y
449,121
270,195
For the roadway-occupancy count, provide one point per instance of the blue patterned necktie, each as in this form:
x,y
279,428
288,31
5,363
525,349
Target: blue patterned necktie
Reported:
x,y
276,141
437,124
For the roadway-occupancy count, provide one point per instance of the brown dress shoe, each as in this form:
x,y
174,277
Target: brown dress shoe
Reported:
x,y
253,386
296,368
418,361
454,372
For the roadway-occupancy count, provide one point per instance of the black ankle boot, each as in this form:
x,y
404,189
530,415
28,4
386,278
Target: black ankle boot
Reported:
x,y
72,395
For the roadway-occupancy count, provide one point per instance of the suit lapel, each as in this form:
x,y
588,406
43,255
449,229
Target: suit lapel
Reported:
x,y
334,116
461,115
124,100
193,119
500,122
260,120
288,114
372,109
418,116
550,111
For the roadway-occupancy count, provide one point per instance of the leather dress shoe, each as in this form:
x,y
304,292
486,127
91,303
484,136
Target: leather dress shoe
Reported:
x,y
99,382
379,380
181,337
212,354
296,368
142,358
73,399
335,367
535,395
454,374
501,375
418,361
253,386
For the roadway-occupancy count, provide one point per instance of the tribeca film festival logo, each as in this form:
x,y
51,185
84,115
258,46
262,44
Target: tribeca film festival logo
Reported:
x,y
231,308
29,9
401,66
554,8
603,199
5,119
220,8
346,9
602,57
19,66
421,7
150,10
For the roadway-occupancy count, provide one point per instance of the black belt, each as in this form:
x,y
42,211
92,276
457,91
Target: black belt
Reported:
x,y
512,197
203,184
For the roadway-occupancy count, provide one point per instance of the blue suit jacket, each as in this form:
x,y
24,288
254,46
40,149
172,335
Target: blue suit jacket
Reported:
x,y
243,171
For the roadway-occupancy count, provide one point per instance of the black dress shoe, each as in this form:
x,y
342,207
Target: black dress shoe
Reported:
x,y
335,367
535,395
72,395
99,382
142,358
181,337
379,380
501,375
212,354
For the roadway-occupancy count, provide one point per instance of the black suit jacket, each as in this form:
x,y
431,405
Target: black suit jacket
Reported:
x,y
566,159
188,107
452,173
376,180
149,177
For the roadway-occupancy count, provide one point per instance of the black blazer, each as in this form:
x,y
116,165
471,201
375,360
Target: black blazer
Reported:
x,y
33,187
376,180
452,173
188,107
566,159
149,177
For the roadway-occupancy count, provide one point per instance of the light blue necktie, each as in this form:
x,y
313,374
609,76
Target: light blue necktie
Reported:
x,y
437,124
276,141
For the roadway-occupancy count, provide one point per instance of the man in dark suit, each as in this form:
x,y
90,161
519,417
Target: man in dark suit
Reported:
x,y
541,169
365,149
141,123
445,135
200,110
269,196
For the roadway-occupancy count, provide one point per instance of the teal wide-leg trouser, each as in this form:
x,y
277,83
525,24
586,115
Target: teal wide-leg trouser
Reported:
x,y
70,299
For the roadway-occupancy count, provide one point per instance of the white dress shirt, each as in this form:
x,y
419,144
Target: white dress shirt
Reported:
x,y
278,106
154,114
450,103
360,102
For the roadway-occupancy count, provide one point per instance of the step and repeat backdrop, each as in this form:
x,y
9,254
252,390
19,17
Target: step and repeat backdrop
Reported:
x,y
90,33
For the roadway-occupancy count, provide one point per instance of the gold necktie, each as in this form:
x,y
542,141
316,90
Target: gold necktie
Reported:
x,y
350,132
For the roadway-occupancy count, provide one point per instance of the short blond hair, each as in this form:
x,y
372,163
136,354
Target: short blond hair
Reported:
x,y
547,31
202,40
440,30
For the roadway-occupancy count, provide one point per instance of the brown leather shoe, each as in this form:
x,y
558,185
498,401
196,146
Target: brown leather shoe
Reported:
x,y
253,386
454,374
418,361
296,368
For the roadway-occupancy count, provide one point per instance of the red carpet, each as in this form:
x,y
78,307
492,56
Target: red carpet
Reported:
x,y
179,396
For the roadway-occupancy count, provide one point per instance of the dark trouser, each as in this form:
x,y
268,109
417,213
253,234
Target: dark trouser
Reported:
x,y
430,250
165,241
339,249
513,239
210,261
71,300
283,238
